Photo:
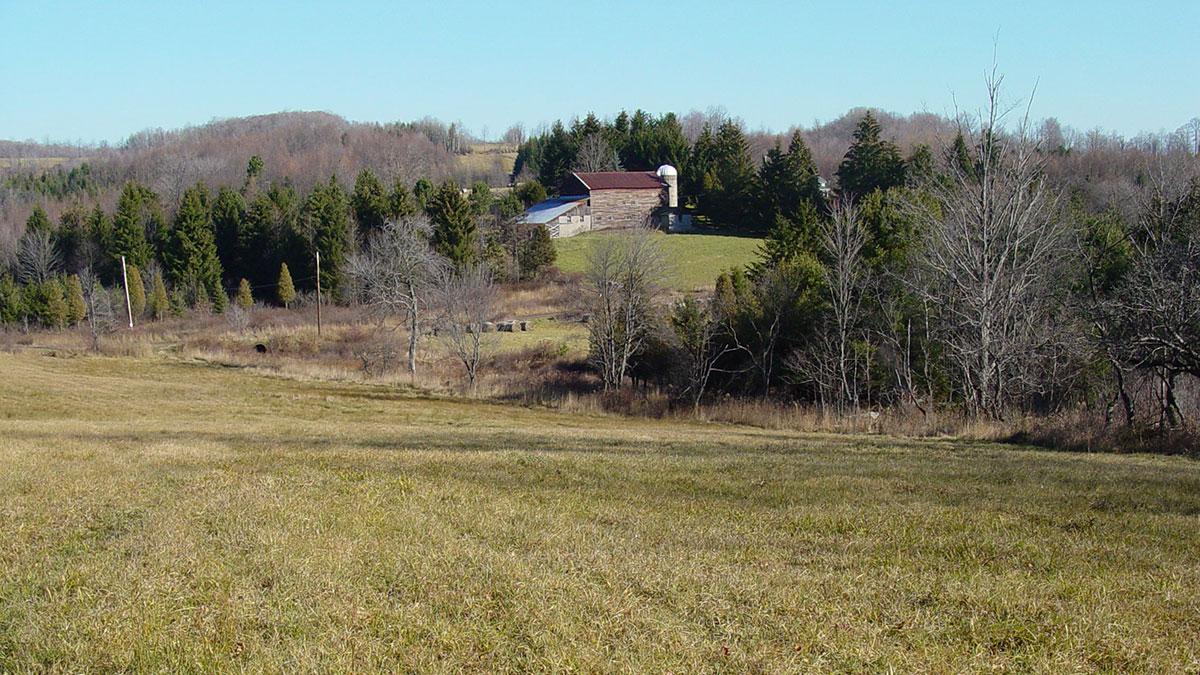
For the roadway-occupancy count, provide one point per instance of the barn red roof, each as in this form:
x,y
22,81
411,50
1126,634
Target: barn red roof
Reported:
x,y
621,180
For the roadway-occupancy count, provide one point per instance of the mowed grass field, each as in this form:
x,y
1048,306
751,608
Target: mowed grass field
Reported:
x,y
160,515
696,259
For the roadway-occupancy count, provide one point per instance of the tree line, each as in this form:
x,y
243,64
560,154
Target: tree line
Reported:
x,y
966,276
260,237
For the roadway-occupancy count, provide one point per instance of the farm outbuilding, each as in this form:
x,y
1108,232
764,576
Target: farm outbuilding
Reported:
x,y
604,200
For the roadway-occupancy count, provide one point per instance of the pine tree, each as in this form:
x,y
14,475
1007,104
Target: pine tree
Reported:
x,y
370,203
244,298
76,307
699,165
158,303
423,193
788,241
38,221
52,303
733,172
806,180
480,198
400,202
229,219
200,299
137,290
254,169
787,181
286,292
558,155
137,217
453,225
327,214
537,254
177,303
220,301
190,250
12,306
871,163
961,158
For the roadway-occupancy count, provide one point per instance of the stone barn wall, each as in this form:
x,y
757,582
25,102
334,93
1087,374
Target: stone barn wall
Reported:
x,y
623,208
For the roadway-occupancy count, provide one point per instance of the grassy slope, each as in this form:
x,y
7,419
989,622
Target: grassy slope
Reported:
x,y
698,258
167,516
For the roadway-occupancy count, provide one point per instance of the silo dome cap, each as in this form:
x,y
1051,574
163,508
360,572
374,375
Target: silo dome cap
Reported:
x,y
667,170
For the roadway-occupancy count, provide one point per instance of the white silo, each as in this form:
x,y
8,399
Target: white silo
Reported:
x,y
671,177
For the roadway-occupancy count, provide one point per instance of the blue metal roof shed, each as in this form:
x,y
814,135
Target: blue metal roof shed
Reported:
x,y
545,212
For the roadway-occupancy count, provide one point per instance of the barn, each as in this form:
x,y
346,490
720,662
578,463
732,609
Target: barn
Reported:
x,y
602,200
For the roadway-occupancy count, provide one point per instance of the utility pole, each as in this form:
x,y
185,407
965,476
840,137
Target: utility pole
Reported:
x,y
318,293
125,277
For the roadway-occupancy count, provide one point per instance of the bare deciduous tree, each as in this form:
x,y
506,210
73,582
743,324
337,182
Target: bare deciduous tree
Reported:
x,y
463,301
991,258
37,259
830,361
595,154
698,346
845,271
393,279
624,274
101,310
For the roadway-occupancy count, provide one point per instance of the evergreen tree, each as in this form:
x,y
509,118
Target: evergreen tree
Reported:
x,y
244,297
73,291
285,292
530,192
279,219
423,194
190,250
961,158
771,186
46,303
806,180
480,198
789,240
558,155
787,182
12,306
158,303
509,206
698,169
38,221
871,163
453,224
400,202
71,239
327,214
177,303
730,195
891,234
229,220
254,169
537,254
200,299
919,166
370,203
137,290
99,226
137,222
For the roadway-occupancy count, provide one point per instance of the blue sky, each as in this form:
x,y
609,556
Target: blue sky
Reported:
x,y
99,71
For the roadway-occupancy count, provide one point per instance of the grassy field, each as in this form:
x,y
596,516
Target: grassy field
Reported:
x,y
32,162
697,258
165,515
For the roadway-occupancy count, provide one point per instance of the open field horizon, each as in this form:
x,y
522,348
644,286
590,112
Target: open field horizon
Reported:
x,y
163,514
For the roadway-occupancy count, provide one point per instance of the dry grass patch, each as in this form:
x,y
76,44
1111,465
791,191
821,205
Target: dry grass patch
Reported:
x,y
160,515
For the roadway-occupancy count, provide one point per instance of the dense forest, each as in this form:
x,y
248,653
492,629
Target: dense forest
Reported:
x,y
987,263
